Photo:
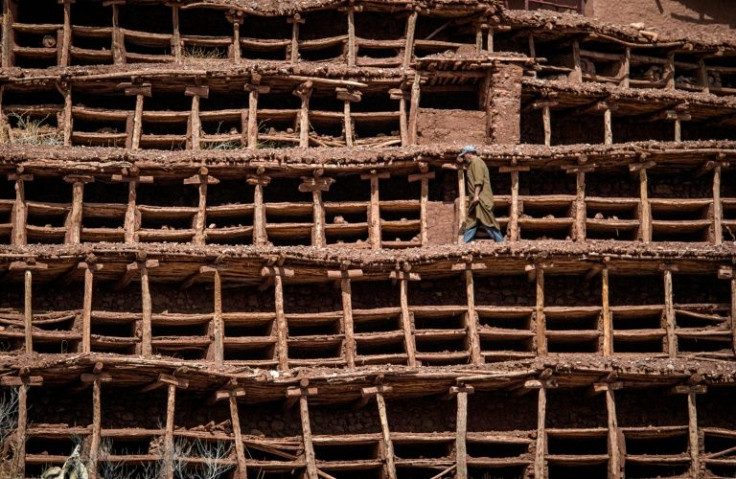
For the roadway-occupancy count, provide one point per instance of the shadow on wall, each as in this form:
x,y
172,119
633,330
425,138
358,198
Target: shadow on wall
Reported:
x,y
709,12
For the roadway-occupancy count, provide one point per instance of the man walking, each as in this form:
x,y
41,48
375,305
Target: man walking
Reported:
x,y
480,197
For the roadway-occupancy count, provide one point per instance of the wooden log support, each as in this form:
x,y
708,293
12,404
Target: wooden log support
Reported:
x,y
728,273
304,92
717,206
606,314
74,218
232,393
10,10
540,453
277,273
403,276
471,321
424,178
260,235
218,326
140,92
317,185
254,90
692,389
461,452
177,46
344,275
194,133
607,127
235,17
669,71
23,383
19,215
117,46
645,210
352,44
532,46
202,179
536,271
577,71
89,266
347,97
626,69
302,393
168,457
580,232
65,46
132,217
402,96
414,108
462,204
27,267
374,209
388,445
411,26
142,265
514,207
293,56
615,437
67,119
96,378
669,314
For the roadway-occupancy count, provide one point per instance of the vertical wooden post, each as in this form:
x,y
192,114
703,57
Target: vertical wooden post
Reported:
x,y
90,267
728,273
260,235
489,39
74,219
94,449
461,454
352,50
195,123
294,49
669,314
478,37
21,428
402,96
717,206
411,25
473,339
606,313
645,211
374,209
386,432
540,460
303,393
513,226
142,265
28,310
254,90
703,76
669,71
347,97
532,47
580,207
242,471
693,439
678,130
424,178
547,124
118,39
8,38
540,316
344,275
282,327
66,35
316,185
68,127
607,127
169,434
219,326
615,469
202,179
132,177
236,18
462,204
577,70
19,214
414,108
304,92
407,319
626,67
176,43
140,92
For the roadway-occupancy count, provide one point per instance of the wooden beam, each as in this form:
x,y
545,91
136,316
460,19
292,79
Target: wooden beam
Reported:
x,y
645,210
577,73
547,124
693,437
388,445
68,119
254,91
21,429
19,214
471,317
606,313
74,218
424,178
352,49
260,235
615,438
407,319
117,46
514,207
316,186
242,470
94,448
414,108
402,97
411,25
176,43
350,348
717,207
219,325
282,327
541,321
374,212
461,456
140,93
202,180
310,459
669,315
540,462
294,48
304,92
580,207
89,268
10,10
168,459
132,217
462,205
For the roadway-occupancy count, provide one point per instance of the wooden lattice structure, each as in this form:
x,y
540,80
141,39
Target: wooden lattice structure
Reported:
x,y
229,236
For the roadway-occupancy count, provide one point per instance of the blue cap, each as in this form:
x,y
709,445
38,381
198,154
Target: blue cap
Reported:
x,y
467,149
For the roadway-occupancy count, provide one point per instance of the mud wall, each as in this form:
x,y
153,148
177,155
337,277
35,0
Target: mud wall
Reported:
x,y
674,17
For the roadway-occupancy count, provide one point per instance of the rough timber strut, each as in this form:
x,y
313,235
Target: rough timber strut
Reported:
x,y
230,246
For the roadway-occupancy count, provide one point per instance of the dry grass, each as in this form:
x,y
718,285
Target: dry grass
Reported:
x,y
203,53
33,132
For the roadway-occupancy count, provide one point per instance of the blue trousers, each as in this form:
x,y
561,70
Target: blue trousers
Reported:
x,y
494,233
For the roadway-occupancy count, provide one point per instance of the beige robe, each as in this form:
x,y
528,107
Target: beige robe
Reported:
x,y
477,175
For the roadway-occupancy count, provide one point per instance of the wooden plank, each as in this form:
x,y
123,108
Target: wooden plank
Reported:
x,y
540,465
461,455
28,311
390,464
374,209
294,48
669,315
242,471
541,322
347,124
